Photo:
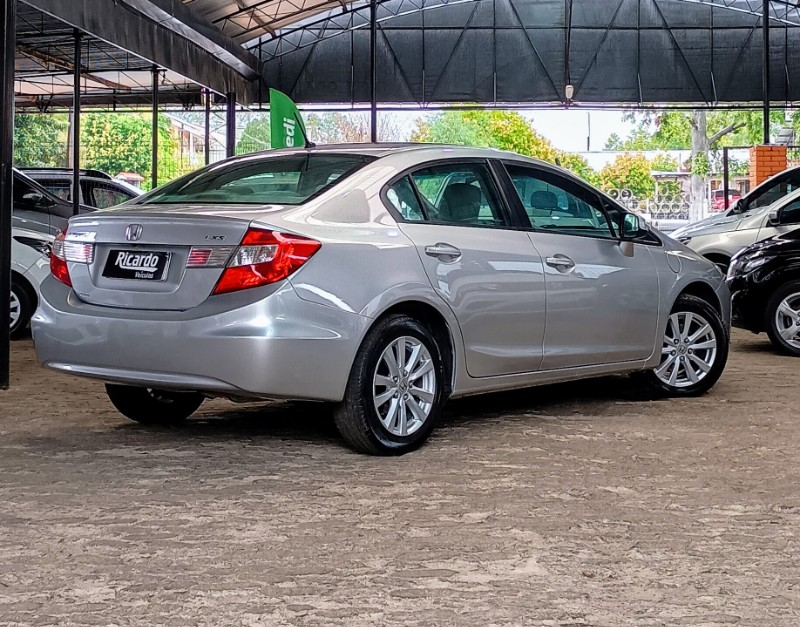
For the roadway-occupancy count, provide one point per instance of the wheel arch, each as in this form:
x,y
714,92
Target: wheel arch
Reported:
x,y
704,291
438,325
27,286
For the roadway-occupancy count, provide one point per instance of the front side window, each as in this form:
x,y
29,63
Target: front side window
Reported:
x,y
782,187
790,214
259,180
460,194
556,204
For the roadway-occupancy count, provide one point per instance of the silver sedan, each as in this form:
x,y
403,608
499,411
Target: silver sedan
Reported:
x,y
384,279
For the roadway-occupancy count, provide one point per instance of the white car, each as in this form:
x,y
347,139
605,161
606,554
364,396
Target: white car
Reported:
x,y
30,265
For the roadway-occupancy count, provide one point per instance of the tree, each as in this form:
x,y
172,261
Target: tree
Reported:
x,y
700,131
629,171
255,136
40,139
122,142
352,127
506,130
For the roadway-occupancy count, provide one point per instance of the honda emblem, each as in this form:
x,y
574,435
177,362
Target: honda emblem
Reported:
x,y
133,232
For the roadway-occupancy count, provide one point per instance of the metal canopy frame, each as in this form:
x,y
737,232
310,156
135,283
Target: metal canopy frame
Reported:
x,y
510,51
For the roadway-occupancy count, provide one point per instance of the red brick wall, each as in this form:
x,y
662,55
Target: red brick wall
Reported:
x,y
766,161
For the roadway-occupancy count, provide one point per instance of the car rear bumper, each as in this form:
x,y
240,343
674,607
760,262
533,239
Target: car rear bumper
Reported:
x,y
261,345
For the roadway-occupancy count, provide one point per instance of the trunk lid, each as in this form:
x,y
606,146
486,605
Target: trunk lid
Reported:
x,y
142,259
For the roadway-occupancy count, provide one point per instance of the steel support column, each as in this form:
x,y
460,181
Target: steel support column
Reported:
x,y
154,165
373,71
76,126
207,129
765,68
725,177
8,31
230,124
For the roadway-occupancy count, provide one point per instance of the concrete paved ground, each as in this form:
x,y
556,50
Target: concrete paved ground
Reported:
x,y
578,504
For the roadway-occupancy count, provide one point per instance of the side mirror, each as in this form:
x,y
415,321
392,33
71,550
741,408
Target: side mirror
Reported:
x,y
33,198
633,227
774,217
735,206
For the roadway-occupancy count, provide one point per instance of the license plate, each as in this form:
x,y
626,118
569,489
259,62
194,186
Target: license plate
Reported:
x,y
142,265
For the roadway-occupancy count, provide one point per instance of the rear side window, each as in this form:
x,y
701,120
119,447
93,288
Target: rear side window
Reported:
x,y
259,180
459,193
402,197
103,195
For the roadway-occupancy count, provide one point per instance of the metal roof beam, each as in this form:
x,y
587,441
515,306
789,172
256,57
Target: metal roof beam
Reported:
x,y
120,24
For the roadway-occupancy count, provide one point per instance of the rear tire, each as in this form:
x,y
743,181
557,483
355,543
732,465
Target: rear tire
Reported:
x,y
395,391
21,308
782,319
694,350
153,407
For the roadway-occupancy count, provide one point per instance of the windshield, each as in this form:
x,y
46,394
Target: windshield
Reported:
x,y
285,180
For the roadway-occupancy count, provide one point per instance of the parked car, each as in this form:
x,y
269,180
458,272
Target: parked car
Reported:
x,y
768,192
385,279
30,265
765,285
36,209
720,240
98,188
718,199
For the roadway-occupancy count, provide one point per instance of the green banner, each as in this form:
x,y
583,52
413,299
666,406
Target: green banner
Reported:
x,y
286,126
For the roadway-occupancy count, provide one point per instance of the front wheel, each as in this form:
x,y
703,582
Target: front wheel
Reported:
x,y
395,391
694,350
783,319
153,407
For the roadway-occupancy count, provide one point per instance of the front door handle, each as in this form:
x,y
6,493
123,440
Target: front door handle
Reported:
x,y
560,262
445,252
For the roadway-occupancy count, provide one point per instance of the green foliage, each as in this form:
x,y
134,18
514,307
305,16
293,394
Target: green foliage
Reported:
x,y
629,171
664,163
122,142
40,140
255,136
701,165
506,130
672,130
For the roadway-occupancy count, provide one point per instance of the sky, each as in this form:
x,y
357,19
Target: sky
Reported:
x,y
567,129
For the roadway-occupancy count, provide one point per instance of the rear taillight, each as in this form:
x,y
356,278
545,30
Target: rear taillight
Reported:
x,y
68,251
58,263
264,257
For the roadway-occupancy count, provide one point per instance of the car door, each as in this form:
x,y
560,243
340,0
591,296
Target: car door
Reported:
x,y
478,261
602,306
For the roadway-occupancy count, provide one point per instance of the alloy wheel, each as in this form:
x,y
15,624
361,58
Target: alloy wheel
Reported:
x,y
688,351
404,386
787,320
16,309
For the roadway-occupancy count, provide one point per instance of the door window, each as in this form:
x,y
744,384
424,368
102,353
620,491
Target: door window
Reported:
x,y
777,190
556,204
103,195
790,214
462,194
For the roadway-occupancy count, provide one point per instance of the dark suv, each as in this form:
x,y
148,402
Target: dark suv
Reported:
x,y
764,280
36,209
98,189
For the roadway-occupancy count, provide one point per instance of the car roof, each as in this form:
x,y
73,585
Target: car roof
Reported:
x,y
67,171
422,150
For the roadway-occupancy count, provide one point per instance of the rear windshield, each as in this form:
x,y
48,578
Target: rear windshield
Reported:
x,y
285,180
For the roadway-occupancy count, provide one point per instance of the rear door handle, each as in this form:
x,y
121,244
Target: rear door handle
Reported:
x,y
445,252
560,262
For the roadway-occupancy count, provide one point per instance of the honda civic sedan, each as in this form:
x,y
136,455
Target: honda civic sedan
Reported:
x,y
384,279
